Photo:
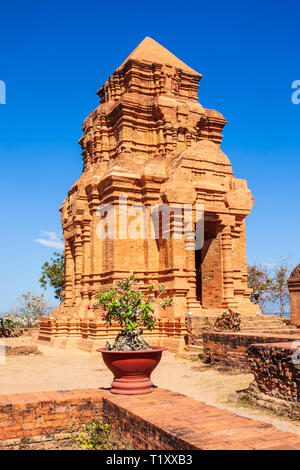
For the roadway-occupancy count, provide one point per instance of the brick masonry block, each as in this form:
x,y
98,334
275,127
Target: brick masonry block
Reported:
x,y
230,349
276,373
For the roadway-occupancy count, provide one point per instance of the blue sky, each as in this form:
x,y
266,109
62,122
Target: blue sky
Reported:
x,y
56,55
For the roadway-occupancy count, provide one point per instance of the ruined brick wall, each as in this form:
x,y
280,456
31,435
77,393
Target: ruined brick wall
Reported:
x,y
161,420
46,416
230,349
275,371
195,326
16,332
143,434
11,333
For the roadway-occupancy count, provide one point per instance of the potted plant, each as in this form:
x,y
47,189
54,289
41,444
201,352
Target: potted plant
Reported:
x,y
131,359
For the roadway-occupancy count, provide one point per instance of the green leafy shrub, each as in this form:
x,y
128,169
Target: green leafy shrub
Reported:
x,y
130,307
99,435
228,320
6,325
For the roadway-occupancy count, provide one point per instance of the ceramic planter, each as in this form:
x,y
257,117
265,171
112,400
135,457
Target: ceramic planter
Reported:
x,y
132,369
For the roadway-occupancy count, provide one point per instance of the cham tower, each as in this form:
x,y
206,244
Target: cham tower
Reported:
x,y
152,141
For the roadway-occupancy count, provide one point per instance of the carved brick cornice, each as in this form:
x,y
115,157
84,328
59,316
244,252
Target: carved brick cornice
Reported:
x,y
295,273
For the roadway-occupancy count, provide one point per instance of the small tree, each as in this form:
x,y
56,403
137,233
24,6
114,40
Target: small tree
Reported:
x,y
29,310
53,274
260,281
279,292
131,308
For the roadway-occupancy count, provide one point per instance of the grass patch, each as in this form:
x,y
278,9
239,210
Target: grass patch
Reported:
x,y
226,370
290,413
99,435
221,369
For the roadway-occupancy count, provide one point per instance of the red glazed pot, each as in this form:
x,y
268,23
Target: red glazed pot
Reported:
x,y
132,369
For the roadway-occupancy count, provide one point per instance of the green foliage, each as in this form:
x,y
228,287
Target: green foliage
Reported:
x,y
7,324
53,274
269,286
228,320
279,292
99,436
260,281
130,307
28,311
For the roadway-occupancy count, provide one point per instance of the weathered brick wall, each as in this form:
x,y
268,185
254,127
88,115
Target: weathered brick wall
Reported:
x,y
196,325
20,345
161,420
46,415
143,434
16,332
230,349
275,369
13,333
21,350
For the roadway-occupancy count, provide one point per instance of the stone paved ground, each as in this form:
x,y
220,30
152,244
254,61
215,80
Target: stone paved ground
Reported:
x,y
62,369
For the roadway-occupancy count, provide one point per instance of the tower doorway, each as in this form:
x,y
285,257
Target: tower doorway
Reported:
x,y
208,264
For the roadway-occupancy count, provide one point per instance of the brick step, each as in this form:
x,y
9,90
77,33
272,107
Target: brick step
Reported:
x,y
197,342
263,330
270,325
263,327
263,322
271,320
264,317
277,325
194,348
271,332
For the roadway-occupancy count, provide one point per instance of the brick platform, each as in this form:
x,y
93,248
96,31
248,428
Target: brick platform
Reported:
x,y
22,345
90,335
230,349
161,420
